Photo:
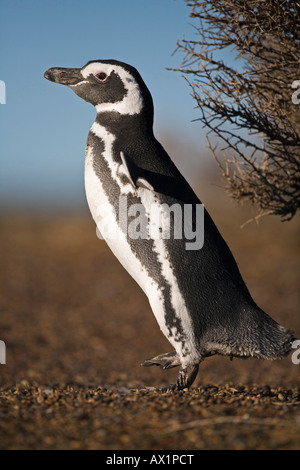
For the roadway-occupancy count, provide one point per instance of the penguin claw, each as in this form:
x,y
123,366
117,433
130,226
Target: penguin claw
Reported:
x,y
168,388
185,379
187,376
166,361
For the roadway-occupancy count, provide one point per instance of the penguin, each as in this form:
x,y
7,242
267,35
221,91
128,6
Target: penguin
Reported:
x,y
195,289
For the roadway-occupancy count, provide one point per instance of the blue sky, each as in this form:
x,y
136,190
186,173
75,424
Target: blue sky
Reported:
x,y
44,126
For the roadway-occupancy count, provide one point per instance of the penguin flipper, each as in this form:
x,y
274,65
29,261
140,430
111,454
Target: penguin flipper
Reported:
x,y
166,361
134,174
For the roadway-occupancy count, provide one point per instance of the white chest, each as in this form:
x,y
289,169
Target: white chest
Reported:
x,y
108,225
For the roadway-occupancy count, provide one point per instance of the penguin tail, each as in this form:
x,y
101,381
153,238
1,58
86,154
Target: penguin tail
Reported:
x,y
255,334
271,340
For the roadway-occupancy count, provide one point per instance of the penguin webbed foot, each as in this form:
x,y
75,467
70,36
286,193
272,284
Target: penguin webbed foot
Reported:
x,y
186,375
166,361
185,378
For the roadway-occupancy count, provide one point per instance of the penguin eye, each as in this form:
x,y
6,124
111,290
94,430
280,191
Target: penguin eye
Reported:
x,y
101,76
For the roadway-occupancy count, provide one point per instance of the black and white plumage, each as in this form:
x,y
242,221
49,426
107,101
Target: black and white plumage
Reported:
x,y
198,297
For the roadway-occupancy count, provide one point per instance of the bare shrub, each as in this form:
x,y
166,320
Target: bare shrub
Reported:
x,y
248,105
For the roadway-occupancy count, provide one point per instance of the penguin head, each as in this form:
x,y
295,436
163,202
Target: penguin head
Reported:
x,y
109,85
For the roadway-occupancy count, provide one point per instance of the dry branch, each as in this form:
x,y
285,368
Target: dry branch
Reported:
x,y
249,106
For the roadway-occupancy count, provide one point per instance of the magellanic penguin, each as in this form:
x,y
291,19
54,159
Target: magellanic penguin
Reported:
x,y
197,294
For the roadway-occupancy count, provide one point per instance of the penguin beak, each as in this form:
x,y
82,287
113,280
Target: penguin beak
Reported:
x,y
64,76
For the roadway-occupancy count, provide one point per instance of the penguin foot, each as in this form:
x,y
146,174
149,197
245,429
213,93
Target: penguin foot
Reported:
x,y
166,361
185,378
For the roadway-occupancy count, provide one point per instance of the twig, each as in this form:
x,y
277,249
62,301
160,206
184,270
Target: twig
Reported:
x,y
229,420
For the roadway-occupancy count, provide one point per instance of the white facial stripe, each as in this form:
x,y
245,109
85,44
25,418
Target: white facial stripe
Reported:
x,y
79,83
96,67
132,103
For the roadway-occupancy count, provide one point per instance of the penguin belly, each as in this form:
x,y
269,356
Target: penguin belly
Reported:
x,y
146,260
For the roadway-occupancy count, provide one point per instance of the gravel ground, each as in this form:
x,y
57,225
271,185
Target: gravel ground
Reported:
x,y
77,327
